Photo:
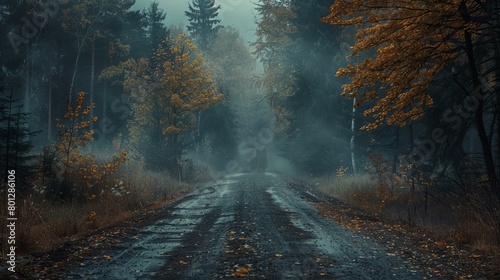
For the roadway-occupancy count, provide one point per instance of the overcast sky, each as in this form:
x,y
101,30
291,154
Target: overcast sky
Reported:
x,y
236,13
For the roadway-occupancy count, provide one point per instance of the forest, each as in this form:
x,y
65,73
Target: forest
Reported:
x,y
390,106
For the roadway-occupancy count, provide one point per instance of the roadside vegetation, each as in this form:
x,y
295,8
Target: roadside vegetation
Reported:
x,y
74,191
451,215
106,112
44,224
410,121
118,114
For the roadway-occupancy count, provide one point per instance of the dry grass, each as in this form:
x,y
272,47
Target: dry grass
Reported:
x,y
355,190
460,223
42,225
479,229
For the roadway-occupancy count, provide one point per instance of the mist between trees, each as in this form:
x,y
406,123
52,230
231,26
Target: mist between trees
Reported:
x,y
405,93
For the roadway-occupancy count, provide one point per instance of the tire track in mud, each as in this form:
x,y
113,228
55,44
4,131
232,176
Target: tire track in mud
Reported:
x,y
276,234
247,225
192,256
267,243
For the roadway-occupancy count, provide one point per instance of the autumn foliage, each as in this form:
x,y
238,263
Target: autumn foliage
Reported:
x,y
407,45
168,91
411,42
273,36
76,174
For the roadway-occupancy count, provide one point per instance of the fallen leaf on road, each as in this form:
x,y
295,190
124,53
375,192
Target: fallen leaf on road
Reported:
x,y
278,255
108,257
241,272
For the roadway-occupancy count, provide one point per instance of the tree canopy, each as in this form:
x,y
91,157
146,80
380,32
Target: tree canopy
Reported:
x,y
203,22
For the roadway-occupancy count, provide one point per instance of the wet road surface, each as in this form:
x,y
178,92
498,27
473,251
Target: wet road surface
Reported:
x,y
246,225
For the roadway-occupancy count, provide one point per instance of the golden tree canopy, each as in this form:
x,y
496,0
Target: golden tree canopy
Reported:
x,y
412,42
168,94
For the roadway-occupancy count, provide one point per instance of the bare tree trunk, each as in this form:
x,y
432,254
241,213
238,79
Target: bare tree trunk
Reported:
x,y
479,118
27,84
92,82
396,151
494,9
49,118
104,100
197,137
81,42
412,208
18,123
7,144
353,137
77,61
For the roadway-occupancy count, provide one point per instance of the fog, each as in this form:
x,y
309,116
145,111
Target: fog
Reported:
x,y
237,13
272,104
118,101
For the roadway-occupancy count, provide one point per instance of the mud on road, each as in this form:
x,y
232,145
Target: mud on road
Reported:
x,y
245,225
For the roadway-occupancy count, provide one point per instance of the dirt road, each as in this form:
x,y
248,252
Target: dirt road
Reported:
x,y
245,225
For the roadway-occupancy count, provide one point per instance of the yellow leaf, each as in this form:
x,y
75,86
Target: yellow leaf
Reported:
x,y
241,272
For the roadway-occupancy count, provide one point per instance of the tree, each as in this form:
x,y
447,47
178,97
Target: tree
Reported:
x,y
88,21
155,28
273,37
232,66
231,60
299,54
412,43
14,46
15,149
77,175
203,24
166,98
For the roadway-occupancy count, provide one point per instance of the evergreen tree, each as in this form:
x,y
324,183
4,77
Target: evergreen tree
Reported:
x,y
155,28
14,148
203,26
13,47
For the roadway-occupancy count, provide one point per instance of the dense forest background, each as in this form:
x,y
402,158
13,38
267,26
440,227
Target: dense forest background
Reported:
x,y
393,107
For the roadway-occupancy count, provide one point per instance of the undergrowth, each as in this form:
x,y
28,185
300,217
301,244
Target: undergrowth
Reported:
x,y
44,224
390,196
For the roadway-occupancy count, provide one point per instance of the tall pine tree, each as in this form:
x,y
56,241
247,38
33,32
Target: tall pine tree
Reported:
x,y
155,28
203,22
15,149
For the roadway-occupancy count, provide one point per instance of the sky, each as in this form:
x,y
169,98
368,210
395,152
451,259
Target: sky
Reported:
x,y
236,13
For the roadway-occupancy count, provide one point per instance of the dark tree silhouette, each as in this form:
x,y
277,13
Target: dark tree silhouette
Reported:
x,y
15,146
203,21
155,28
